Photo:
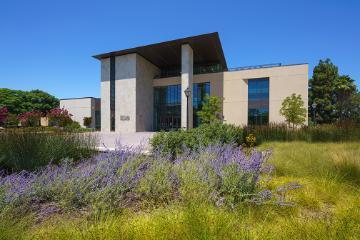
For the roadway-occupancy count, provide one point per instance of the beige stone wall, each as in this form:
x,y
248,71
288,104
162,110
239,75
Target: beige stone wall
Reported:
x,y
145,72
105,95
283,81
44,121
79,108
125,93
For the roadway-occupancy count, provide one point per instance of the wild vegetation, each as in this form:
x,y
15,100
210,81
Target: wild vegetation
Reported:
x,y
338,132
174,142
31,148
319,182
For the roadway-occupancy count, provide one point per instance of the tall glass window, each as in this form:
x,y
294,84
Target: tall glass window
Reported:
x,y
167,105
258,101
200,90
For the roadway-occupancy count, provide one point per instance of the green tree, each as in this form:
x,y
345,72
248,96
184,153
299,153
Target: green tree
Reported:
x,y
292,108
333,94
344,95
354,107
322,91
211,110
18,101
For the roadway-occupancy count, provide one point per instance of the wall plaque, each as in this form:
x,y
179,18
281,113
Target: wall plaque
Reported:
x,y
124,118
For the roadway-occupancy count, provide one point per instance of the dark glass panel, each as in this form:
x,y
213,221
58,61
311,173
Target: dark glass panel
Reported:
x,y
167,105
200,90
258,101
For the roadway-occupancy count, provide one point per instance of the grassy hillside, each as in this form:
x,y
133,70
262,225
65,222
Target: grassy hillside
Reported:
x,y
327,206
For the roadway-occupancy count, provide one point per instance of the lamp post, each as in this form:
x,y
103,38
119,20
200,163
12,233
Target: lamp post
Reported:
x,y
313,108
187,94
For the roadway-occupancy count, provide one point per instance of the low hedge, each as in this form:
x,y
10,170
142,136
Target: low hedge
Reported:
x,y
174,142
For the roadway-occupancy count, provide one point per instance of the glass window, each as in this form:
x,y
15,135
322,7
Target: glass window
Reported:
x,y
167,105
258,101
200,90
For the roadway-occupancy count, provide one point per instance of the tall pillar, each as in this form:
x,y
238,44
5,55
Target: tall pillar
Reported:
x,y
105,95
186,81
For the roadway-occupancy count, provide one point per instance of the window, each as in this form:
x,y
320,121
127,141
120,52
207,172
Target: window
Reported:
x,y
167,105
200,90
258,101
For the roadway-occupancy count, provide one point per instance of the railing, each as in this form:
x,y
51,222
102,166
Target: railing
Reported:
x,y
198,69
255,67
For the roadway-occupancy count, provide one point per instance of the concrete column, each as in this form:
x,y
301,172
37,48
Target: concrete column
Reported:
x,y
187,63
105,95
125,93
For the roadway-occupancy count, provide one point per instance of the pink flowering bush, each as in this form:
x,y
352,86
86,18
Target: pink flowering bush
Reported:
x,y
3,115
59,117
30,119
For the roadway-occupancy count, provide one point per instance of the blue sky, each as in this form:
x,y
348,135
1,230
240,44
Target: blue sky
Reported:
x,y
48,44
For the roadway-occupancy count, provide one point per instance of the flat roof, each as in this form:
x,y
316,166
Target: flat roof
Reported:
x,y
77,98
206,47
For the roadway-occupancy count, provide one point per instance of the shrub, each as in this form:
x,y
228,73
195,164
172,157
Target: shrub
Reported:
x,y
87,121
30,149
73,126
174,142
59,117
11,121
30,119
3,115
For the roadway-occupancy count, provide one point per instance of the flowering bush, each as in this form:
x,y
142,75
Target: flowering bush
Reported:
x,y
30,119
250,140
219,174
59,117
3,115
11,120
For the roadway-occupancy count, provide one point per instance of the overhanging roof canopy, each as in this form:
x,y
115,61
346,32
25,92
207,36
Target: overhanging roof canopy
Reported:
x,y
207,50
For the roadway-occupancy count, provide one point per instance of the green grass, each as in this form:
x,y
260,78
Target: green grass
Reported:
x,y
327,206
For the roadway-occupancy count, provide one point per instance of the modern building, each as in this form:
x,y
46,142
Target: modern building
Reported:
x,y
83,107
143,88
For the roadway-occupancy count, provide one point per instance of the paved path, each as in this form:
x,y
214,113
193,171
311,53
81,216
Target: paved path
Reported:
x,y
109,140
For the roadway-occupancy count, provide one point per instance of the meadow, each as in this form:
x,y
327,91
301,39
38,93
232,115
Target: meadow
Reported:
x,y
318,181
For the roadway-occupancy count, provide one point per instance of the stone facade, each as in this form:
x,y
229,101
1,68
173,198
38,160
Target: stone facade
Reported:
x,y
81,108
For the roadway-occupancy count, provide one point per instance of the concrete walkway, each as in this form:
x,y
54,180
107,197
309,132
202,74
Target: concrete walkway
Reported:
x,y
108,140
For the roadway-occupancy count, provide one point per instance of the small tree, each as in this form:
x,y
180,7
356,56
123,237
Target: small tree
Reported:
x,y
292,108
211,110
87,121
